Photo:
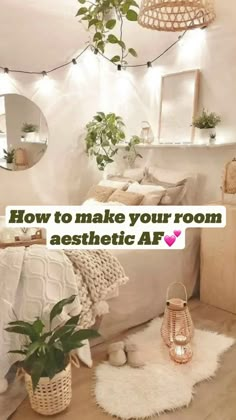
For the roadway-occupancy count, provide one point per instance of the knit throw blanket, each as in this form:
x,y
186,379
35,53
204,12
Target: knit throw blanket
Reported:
x,y
98,274
33,279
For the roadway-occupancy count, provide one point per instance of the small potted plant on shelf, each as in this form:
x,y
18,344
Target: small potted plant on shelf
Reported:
x,y
9,157
207,123
104,133
46,358
132,154
29,132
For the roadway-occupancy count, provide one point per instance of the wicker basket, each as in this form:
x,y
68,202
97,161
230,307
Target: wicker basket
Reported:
x,y
51,396
176,15
177,319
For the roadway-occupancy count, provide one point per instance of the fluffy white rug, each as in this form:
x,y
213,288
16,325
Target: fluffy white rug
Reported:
x,y
162,384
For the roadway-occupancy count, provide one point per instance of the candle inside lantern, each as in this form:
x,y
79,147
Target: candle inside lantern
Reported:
x,y
180,350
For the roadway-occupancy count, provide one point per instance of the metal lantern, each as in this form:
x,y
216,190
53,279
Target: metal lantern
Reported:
x,y
180,350
177,319
176,15
229,179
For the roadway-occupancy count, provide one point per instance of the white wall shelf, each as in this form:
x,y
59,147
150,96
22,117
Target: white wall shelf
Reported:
x,y
181,145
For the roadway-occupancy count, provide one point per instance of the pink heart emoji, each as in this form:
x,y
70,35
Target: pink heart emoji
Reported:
x,y
170,240
177,233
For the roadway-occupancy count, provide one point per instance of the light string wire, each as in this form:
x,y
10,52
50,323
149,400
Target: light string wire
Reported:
x,y
97,52
91,47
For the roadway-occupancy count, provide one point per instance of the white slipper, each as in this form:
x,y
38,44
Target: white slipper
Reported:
x,y
134,355
116,352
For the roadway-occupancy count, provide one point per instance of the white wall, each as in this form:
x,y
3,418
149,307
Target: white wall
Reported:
x,y
64,173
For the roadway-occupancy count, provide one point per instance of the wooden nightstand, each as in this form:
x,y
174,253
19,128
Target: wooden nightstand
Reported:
x,y
218,264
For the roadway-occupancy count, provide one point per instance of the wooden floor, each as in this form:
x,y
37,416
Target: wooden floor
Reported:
x,y
213,400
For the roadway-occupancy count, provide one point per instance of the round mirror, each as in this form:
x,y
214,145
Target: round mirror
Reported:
x,y
23,133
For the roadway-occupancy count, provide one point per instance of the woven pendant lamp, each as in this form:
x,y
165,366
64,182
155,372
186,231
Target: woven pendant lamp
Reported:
x,y
176,15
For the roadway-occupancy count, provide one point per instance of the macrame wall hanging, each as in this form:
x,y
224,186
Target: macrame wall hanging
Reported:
x,y
176,15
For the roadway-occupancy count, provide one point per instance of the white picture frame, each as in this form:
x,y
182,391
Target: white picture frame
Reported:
x,y
178,106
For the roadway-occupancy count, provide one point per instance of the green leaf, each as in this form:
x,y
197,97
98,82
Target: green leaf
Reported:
x,y
24,329
22,352
133,52
132,15
33,348
97,36
101,46
116,59
38,326
85,334
73,320
82,1
122,44
92,22
36,373
82,11
112,39
58,308
98,118
111,24
62,331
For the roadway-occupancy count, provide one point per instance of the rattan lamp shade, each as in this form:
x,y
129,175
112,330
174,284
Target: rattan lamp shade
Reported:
x,y
176,15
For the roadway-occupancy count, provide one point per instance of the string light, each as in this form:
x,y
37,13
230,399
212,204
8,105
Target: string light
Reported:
x,y
97,52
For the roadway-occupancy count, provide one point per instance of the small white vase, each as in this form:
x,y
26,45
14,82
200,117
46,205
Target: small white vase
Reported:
x,y
205,135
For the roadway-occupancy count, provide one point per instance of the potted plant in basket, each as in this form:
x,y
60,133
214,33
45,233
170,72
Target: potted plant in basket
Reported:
x,y
104,133
207,122
29,132
45,358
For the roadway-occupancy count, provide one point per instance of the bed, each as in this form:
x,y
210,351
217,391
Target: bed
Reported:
x,y
150,272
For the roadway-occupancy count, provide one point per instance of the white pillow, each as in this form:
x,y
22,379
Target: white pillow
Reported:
x,y
120,185
145,189
136,174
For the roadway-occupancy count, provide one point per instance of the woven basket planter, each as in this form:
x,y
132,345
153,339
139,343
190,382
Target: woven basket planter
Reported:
x,y
51,396
176,15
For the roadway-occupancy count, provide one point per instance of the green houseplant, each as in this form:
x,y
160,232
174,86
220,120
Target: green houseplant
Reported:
x,y
9,156
207,123
45,355
29,132
132,154
106,20
104,133
29,128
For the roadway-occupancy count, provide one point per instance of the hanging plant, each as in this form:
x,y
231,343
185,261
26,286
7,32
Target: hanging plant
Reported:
x,y
104,133
105,16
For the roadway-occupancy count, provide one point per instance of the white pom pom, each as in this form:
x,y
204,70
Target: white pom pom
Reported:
x,y
3,385
101,308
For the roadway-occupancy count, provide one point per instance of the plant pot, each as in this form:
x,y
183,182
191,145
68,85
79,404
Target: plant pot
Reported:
x,y
51,396
31,137
205,135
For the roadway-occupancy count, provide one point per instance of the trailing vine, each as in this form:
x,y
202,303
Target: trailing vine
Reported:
x,y
106,20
